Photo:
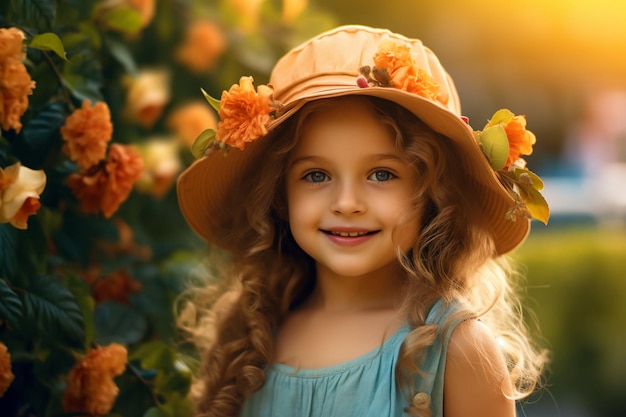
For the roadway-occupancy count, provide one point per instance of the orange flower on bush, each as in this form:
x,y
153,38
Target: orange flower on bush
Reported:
x,y
86,132
188,121
248,13
105,186
292,9
20,188
15,82
403,72
161,166
11,40
90,387
521,141
244,113
117,286
105,8
147,95
6,374
204,43
145,8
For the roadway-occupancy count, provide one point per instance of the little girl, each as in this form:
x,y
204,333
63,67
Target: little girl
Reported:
x,y
365,225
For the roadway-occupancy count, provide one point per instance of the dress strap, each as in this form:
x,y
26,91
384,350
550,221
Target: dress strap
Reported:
x,y
429,385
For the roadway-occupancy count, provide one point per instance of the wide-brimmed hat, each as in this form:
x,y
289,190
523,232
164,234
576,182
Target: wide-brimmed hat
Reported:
x,y
338,63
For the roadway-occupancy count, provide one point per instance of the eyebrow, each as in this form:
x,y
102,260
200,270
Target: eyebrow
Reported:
x,y
374,158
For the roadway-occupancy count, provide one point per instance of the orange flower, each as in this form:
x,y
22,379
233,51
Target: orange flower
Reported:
x,y
244,113
124,245
104,187
15,87
20,188
293,8
248,13
11,40
6,374
145,9
147,95
161,166
190,120
403,72
86,132
521,141
118,285
90,387
204,43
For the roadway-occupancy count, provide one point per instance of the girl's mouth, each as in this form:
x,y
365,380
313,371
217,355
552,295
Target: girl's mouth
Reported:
x,y
348,234
340,233
349,238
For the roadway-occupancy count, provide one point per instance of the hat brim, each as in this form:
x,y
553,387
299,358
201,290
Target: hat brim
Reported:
x,y
205,185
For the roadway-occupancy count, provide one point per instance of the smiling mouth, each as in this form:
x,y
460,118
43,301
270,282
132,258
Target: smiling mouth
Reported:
x,y
348,234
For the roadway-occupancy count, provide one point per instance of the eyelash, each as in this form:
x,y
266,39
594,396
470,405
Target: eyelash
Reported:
x,y
390,175
308,176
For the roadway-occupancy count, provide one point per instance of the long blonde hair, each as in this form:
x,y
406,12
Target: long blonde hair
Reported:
x,y
237,314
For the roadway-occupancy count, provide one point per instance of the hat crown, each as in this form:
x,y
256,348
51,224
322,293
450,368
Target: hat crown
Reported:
x,y
331,61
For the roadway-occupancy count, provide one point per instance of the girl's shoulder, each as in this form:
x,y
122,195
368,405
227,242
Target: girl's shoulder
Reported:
x,y
476,374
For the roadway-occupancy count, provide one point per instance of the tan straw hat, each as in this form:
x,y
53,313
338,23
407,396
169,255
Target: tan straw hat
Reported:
x,y
331,65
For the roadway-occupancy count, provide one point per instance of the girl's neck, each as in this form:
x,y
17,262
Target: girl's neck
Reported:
x,y
381,289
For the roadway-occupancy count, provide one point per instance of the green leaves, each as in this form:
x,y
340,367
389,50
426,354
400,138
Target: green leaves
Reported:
x,y
48,42
123,19
34,13
117,322
41,133
83,76
495,144
51,307
215,103
10,304
202,143
528,186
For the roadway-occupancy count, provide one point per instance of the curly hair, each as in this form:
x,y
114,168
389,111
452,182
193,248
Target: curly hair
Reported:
x,y
453,258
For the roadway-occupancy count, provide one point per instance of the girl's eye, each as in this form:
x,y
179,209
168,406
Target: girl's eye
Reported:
x,y
316,176
381,175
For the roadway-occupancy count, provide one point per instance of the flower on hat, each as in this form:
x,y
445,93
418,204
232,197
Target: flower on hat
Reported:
x,y
503,140
245,113
395,67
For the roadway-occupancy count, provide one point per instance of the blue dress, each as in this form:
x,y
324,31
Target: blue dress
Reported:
x,y
363,387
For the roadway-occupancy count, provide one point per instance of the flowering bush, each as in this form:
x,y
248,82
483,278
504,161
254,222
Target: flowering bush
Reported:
x,y
99,103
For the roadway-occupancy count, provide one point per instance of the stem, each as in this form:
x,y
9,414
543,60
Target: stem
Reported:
x,y
147,384
64,90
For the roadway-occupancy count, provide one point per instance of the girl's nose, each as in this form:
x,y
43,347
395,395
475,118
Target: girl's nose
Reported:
x,y
348,200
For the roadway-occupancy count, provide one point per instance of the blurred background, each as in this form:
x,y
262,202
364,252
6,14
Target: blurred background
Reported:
x,y
562,63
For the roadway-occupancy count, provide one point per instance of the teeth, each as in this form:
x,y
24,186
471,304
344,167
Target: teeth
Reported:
x,y
349,234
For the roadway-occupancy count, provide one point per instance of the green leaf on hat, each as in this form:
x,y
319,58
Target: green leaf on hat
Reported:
x,y
202,142
495,144
535,203
215,103
523,175
501,116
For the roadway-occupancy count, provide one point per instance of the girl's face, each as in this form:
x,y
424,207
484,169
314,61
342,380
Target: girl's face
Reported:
x,y
348,188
